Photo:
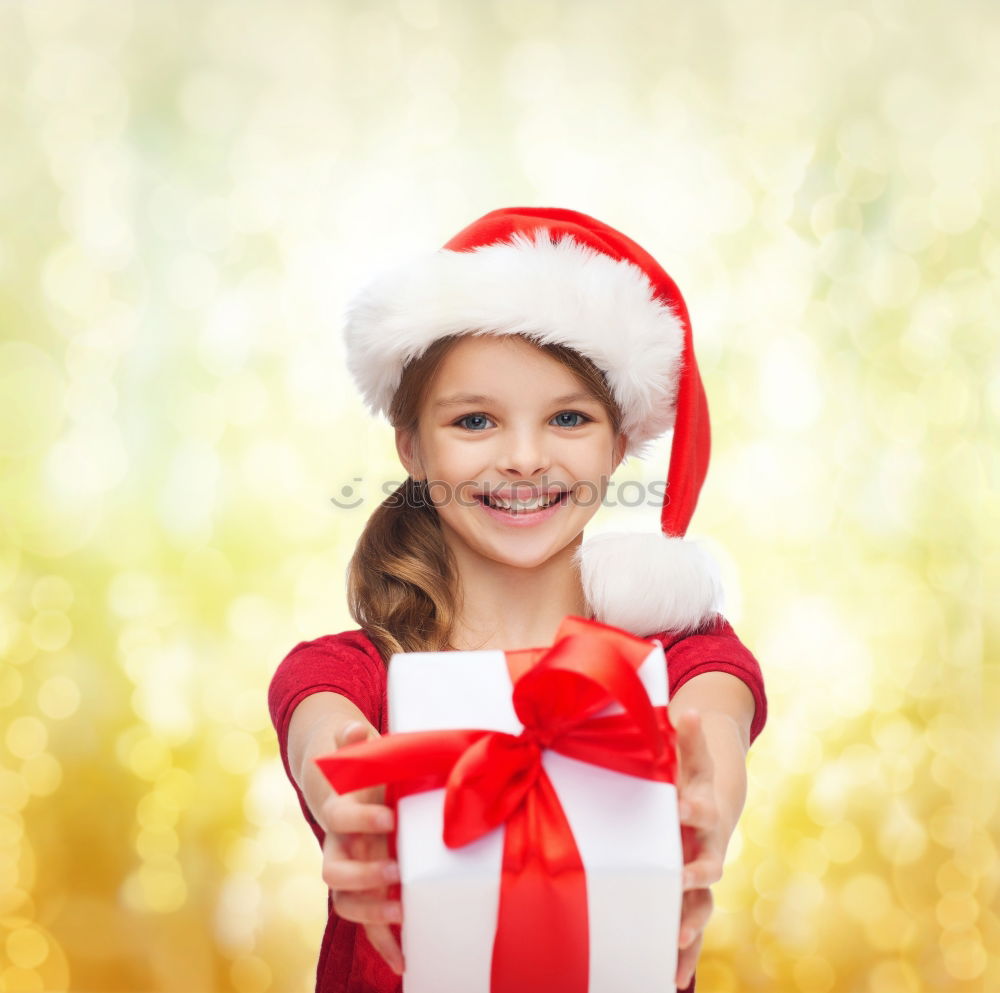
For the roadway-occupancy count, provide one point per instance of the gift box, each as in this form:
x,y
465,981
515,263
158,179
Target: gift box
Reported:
x,y
537,831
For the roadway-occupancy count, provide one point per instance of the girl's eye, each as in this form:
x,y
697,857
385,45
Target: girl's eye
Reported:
x,y
481,417
573,413
471,417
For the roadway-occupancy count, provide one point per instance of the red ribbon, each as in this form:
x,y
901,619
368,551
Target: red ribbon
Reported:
x,y
491,778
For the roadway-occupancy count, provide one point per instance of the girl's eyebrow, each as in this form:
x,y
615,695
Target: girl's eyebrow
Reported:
x,y
461,399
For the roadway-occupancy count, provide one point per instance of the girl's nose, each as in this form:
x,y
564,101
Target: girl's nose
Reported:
x,y
526,455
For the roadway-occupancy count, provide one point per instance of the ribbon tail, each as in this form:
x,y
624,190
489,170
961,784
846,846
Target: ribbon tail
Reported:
x,y
542,940
412,761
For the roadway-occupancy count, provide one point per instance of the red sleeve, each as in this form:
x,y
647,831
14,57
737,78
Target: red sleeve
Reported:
x,y
716,649
338,663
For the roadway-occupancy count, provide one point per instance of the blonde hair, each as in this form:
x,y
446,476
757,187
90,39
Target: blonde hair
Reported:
x,y
402,585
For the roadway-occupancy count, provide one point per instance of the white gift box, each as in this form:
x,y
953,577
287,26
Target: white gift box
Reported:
x,y
626,829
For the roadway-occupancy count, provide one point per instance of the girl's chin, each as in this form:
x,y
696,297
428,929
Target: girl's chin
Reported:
x,y
521,546
527,549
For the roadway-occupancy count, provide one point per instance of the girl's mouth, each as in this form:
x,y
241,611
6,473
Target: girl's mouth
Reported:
x,y
522,518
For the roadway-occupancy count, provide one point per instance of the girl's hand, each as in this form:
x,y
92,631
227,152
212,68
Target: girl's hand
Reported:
x,y
702,839
356,866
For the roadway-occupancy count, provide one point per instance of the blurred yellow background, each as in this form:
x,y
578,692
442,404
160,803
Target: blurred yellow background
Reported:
x,y
190,192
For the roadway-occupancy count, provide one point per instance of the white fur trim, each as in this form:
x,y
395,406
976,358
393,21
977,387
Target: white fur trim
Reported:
x,y
648,583
563,292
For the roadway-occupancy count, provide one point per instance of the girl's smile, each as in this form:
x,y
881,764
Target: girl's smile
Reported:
x,y
521,517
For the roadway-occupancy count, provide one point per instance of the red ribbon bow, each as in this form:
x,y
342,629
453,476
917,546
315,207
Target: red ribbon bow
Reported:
x,y
491,777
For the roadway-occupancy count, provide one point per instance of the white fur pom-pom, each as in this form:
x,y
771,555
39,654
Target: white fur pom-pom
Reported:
x,y
646,583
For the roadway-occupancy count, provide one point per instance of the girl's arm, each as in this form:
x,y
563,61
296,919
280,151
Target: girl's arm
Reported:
x,y
356,826
726,707
312,733
712,713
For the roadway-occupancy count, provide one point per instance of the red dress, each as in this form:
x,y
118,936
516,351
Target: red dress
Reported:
x,y
348,663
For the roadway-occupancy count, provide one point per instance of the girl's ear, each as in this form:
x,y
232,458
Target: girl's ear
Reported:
x,y
406,450
621,443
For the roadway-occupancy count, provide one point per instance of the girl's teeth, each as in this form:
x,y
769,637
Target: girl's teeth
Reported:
x,y
522,506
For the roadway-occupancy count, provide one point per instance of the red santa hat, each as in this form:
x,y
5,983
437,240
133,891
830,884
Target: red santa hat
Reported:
x,y
561,276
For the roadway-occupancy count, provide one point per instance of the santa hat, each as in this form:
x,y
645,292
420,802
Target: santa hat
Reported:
x,y
560,276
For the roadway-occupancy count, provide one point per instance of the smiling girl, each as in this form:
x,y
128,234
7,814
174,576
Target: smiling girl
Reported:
x,y
519,366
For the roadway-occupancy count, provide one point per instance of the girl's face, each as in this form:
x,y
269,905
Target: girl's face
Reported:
x,y
523,428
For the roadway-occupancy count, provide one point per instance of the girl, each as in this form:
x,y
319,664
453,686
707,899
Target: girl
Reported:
x,y
519,366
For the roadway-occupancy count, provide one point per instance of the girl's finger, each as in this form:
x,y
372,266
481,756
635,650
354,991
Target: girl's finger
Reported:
x,y
696,909
697,809
348,874
333,847
687,959
346,816
368,907
384,942
702,872
335,801
367,847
